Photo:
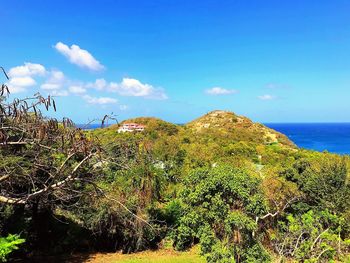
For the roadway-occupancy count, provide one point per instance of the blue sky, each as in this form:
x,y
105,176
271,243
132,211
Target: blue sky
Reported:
x,y
273,61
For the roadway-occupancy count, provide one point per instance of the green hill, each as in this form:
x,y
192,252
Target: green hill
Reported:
x,y
216,124
237,127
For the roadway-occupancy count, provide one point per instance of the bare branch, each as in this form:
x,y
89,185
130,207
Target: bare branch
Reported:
x,y
278,211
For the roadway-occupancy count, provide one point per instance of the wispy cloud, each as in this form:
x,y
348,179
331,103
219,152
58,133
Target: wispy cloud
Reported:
x,y
123,107
267,97
276,86
59,93
99,84
99,100
220,91
55,80
79,57
77,89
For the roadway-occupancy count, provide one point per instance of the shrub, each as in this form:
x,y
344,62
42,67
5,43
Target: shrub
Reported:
x,y
220,207
9,244
311,237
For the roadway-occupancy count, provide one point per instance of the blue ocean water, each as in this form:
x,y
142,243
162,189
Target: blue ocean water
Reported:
x,y
333,137
91,126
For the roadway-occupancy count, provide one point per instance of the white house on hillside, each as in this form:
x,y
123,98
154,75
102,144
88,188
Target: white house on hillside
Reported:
x,y
131,127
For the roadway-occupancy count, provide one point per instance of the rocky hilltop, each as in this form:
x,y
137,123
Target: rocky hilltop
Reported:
x,y
239,127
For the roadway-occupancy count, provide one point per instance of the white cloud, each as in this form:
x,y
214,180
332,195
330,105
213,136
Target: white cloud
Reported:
x,y
25,76
78,56
16,89
133,87
56,83
77,89
99,100
20,84
55,80
22,81
129,87
220,91
267,97
28,69
22,77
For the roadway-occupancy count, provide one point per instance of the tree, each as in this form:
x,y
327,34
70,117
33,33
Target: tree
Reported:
x,y
220,206
45,165
326,184
41,157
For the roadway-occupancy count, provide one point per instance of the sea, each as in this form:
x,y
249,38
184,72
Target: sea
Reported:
x,y
331,137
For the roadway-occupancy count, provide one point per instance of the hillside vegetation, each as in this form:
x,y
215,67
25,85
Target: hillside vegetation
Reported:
x,y
236,190
244,192
237,128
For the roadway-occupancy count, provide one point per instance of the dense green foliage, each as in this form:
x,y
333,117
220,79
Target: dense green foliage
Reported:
x,y
241,191
9,244
243,199
220,207
311,236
